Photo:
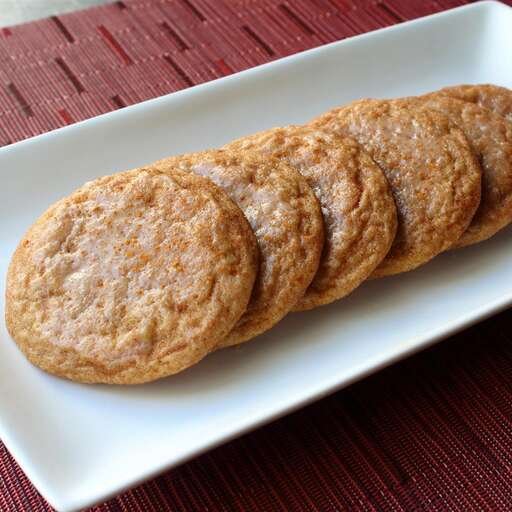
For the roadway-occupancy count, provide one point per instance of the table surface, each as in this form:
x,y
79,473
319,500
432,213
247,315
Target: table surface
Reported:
x,y
431,433
13,12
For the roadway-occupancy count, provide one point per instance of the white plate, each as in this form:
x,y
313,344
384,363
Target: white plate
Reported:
x,y
81,444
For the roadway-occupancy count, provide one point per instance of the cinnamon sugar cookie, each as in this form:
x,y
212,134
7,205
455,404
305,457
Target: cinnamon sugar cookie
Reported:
x,y
133,277
357,205
286,219
490,137
432,172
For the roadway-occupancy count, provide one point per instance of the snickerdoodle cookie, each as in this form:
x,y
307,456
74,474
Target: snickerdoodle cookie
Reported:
x,y
490,137
133,277
357,205
286,219
431,169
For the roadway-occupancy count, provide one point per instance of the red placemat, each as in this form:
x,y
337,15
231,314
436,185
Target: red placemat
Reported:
x,y
432,433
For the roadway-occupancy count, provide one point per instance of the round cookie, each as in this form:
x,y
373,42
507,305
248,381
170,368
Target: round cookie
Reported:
x,y
286,219
133,277
490,137
358,208
432,172
493,97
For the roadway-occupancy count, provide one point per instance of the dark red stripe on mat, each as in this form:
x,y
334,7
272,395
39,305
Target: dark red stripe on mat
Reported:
x,y
114,44
174,36
70,75
65,32
257,39
179,70
22,102
118,102
300,23
390,11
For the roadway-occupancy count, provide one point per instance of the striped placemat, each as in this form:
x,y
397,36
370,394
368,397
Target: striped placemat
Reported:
x,y
432,433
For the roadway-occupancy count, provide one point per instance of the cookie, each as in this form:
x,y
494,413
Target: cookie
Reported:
x,y
495,98
490,136
133,277
286,219
357,205
432,172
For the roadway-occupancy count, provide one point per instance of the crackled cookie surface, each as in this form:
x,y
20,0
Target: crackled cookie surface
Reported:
x,y
286,219
358,208
490,137
431,169
133,277
493,97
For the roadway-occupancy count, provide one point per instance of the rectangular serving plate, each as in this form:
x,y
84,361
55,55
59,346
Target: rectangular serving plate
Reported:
x,y
82,444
